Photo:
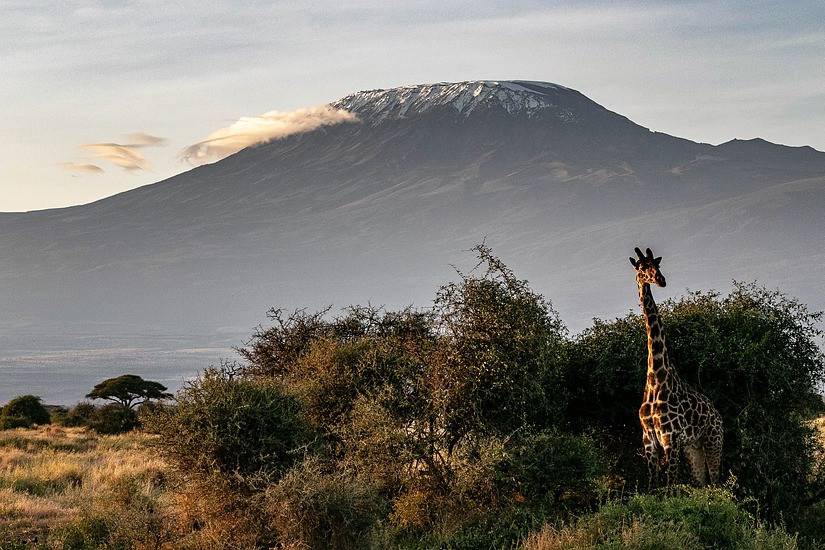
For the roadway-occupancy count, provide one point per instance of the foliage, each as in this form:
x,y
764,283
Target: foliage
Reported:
x,y
500,489
331,362
272,352
502,352
810,526
246,431
555,468
690,519
317,506
366,381
12,422
128,390
79,415
112,419
23,412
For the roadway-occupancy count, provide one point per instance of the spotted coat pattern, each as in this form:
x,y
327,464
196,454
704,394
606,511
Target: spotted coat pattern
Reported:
x,y
675,418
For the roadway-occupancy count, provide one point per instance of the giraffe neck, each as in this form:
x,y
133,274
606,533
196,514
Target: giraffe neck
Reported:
x,y
659,371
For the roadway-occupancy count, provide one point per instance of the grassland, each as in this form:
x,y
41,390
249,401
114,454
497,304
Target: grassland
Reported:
x,y
69,488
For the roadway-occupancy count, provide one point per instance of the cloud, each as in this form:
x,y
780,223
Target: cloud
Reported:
x,y
125,155
252,130
82,168
140,139
120,155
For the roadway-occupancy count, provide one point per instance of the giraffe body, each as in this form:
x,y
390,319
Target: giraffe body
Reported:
x,y
675,418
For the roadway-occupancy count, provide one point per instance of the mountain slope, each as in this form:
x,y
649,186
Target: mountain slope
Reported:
x,y
378,209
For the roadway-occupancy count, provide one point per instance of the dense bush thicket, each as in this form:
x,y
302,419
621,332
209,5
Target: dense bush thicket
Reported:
x,y
471,424
107,419
22,412
78,416
248,432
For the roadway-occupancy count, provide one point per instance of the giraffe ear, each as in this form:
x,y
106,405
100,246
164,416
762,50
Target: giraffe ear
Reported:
x,y
657,261
632,261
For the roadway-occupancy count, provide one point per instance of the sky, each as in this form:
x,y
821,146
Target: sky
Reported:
x,y
97,97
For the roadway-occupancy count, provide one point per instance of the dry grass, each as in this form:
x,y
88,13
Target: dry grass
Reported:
x,y
51,477
631,536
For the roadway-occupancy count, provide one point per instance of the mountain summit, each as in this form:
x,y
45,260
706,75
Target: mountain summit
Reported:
x,y
377,210
516,97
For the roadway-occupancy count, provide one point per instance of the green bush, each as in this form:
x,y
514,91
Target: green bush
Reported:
x,y
274,351
552,467
691,519
498,490
809,523
22,412
753,352
57,415
79,415
112,419
86,533
330,363
108,419
501,353
12,422
240,429
365,381
317,506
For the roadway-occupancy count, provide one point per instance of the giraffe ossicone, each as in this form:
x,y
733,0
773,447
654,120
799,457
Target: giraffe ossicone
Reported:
x,y
675,418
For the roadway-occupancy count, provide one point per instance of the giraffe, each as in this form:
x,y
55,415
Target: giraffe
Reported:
x,y
674,416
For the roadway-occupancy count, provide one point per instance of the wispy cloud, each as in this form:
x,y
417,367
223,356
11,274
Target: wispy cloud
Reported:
x,y
251,130
125,155
82,168
140,139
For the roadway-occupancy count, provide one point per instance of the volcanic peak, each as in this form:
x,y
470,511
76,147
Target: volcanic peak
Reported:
x,y
516,97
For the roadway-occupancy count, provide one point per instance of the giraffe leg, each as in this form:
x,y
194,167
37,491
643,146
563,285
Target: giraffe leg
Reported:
x,y
671,463
713,454
652,456
698,465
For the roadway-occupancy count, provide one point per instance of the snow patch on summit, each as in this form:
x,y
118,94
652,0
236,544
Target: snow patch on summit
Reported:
x,y
517,97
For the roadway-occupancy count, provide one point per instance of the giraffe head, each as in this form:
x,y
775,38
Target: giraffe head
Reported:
x,y
647,268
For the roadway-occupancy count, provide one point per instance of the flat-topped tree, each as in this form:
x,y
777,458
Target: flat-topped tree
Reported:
x,y
129,390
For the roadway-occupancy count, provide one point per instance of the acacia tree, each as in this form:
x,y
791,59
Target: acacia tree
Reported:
x,y
129,390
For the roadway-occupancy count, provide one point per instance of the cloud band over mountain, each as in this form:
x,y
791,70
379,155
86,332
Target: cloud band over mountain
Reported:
x,y
125,155
252,130
82,168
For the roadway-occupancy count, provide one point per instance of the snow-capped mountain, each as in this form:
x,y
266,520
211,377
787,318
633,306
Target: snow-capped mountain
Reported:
x,y
378,210
517,97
